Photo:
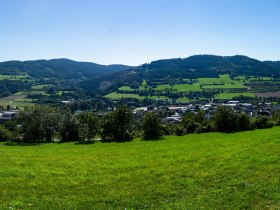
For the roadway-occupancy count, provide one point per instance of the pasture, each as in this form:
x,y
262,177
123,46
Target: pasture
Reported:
x,y
198,171
18,99
232,95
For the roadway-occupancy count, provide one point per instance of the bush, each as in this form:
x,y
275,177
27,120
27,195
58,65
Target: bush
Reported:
x,y
5,135
260,122
195,123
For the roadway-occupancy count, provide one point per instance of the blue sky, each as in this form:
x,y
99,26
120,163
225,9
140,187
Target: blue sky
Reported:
x,y
138,31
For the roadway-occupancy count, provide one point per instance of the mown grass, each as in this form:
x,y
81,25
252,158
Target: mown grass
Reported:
x,y
115,95
223,82
187,87
126,88
232,95
202,171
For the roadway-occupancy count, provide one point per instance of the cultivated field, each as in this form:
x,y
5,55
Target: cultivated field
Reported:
x,y
199,171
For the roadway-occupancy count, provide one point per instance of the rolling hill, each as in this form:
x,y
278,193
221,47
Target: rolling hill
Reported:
x,y
193,67
58,68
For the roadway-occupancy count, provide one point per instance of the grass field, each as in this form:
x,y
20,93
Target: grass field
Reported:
x,y
13,77
126,88
115,95
18,99
232,95
40,87
223,82
187,88
59,93
199,171
163,87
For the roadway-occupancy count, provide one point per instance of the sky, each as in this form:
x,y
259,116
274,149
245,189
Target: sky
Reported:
x,y
134,32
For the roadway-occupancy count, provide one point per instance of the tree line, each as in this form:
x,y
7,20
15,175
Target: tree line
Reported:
x,y
45,124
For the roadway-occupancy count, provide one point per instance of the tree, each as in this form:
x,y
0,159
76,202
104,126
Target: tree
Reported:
x,y
38,124
225,119
243,122
88,126
117,125
195,123
152,126
69,127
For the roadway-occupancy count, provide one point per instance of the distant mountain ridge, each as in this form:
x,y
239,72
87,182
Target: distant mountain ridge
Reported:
x,y
211,65
188,68
59,68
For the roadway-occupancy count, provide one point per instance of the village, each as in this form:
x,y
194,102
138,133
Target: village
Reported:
x,y
174,114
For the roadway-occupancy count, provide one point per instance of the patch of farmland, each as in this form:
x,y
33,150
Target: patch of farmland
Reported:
x,y
187,87
223,82
126,88
233,95
13,77
115,95
40,87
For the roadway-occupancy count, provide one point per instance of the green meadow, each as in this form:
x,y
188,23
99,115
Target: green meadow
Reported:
x,y
40,87
198,171
223,82
115,95
232,95
14,77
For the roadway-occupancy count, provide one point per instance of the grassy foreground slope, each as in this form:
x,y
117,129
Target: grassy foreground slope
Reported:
x,y
202,171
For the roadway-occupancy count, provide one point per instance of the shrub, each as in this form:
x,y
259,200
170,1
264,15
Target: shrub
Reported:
x,y
5,135
260,122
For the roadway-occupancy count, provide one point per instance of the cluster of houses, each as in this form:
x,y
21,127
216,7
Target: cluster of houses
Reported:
x,y
8,115
174,114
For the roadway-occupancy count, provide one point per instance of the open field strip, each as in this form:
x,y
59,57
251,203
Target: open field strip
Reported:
x,y
198,171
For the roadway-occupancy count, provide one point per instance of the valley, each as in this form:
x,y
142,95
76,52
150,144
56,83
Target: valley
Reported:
x,y
197,79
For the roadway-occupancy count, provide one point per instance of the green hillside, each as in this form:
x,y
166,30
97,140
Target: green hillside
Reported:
x,y
175,71
200,171
57,68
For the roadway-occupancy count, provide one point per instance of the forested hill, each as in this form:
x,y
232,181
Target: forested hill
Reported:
x,y
210,65
58,68
187,68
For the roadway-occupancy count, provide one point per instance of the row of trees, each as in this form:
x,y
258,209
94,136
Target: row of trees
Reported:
x,y
224,120
43,124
